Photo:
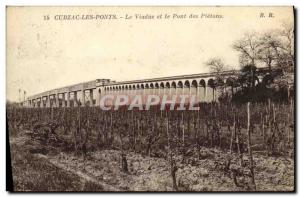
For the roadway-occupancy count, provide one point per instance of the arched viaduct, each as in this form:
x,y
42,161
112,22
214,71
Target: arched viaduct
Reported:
x,y
89,93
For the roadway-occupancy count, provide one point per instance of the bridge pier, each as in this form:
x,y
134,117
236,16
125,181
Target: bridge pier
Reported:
x,y
68,98
48,101
91,98
82,98
63,103
38,102
97,96
56,100
41,102
45,101
52,100
75,99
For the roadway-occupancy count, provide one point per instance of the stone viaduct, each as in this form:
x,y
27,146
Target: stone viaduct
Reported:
x,y
89,93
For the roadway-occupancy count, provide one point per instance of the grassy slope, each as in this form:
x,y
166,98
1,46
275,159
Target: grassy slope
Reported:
x,y
37,174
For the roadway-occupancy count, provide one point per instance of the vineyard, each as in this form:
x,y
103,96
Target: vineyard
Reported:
x,y
221,147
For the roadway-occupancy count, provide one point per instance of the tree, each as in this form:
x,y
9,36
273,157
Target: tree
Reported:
x,y
277,47
269,49
248,76
217,66
249,47
286,50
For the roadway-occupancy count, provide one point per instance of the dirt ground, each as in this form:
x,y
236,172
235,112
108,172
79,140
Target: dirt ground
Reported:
x,y
39,167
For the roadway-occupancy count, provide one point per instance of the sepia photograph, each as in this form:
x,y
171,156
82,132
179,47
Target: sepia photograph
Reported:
x,y
150,99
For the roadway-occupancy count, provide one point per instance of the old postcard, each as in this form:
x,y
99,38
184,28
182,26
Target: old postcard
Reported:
x,y
194,99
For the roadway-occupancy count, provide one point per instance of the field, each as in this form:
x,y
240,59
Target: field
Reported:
x,y
218,148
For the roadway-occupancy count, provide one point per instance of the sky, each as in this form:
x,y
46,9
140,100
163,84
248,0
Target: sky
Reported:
x,y
46,54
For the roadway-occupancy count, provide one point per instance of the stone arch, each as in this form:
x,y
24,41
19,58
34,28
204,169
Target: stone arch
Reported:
x,y
162,85
168,85
194,83
160,88
151,85
146,91
173,88
211,83
156,89
194,89
118,90
202,83
173,85
179,89
187,83
202,91
151,88
179,84
186,87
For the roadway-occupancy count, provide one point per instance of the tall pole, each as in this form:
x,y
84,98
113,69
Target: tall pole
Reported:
x,y
19,95
249,146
